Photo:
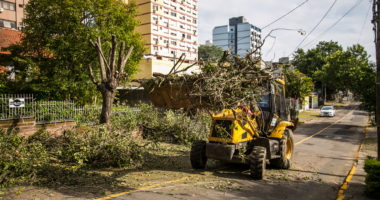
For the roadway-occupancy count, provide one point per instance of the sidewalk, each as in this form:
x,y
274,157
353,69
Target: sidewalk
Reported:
x,y
356,186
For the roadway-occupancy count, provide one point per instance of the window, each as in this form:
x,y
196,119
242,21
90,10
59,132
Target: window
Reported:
x,y
189,36
173,43
174,14
166,31
194,21
182,26
166,11
155,7
173,23
155,18
7,5
166,1
155,28
7,24
173,33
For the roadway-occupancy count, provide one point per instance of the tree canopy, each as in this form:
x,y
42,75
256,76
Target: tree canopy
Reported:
x,y
298,85
53,57
339,70
210,52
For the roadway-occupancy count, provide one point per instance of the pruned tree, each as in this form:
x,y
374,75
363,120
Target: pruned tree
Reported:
x,y
51,61
111,73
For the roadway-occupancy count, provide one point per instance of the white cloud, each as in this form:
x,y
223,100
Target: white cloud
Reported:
x,y
260,13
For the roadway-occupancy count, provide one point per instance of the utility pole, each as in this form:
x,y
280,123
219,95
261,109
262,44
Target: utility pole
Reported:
x,y
376,25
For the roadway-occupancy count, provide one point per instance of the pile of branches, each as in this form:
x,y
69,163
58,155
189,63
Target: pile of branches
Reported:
x,y
231,82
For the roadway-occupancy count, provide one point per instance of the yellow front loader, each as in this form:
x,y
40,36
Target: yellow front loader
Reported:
x,y
254,134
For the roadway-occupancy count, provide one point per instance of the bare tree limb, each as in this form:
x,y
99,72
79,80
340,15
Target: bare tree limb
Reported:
x,y
125,59
101,62
185,69
92,75
120,60
112,58
175,65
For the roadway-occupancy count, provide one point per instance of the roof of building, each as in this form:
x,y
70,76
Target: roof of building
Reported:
x,y
7,38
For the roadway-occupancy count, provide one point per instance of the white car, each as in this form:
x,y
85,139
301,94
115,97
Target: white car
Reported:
x,y
327,111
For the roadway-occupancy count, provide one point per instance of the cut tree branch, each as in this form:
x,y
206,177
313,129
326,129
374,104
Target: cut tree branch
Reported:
x,y
92,75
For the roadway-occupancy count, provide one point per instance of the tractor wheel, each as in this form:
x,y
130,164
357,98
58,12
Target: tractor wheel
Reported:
x,y
198,155
257,159
286,151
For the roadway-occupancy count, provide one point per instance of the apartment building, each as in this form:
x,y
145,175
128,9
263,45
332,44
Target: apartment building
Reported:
x,y
11,13
169,29
239,35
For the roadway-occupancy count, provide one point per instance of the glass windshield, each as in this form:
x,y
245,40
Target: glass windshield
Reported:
x,y
327,108
264,101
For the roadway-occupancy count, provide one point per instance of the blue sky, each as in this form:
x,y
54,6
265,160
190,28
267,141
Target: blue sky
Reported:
x,y
352,29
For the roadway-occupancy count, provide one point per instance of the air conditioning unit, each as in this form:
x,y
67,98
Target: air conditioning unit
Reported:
x,y
1,10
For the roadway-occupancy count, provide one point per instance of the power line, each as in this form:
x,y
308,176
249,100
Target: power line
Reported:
x,y
335,23
365,20
320,21
271,48
286,14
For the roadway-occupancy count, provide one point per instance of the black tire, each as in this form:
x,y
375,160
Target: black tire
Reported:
x,y
258,159
286,151
198,155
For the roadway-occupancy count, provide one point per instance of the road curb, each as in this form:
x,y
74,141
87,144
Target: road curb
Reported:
x,y
343,188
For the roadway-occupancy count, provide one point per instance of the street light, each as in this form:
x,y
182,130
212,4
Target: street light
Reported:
x,y
300,31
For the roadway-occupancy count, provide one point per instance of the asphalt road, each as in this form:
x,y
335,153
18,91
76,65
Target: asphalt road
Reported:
x,y
324,154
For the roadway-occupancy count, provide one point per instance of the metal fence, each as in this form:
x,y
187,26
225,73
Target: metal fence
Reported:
x,y
16,106
56,111
19,106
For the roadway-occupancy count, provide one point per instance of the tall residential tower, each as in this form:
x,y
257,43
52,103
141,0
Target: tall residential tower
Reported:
x,y
240,36
169,29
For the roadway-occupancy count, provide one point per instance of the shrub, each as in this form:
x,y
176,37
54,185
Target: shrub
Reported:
x,y
372,180
20,158
173,126
98,147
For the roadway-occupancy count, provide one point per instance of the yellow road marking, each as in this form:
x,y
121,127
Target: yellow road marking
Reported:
x,y
352,171
321,131
147,187
194,175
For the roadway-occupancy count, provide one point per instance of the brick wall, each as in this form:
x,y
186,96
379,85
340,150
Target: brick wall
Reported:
x,y
28,126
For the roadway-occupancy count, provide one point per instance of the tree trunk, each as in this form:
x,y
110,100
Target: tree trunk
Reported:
x,y
111,72
108,97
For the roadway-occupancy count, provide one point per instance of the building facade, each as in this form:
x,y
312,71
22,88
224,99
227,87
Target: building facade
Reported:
x,y
169,29
239,35
11,13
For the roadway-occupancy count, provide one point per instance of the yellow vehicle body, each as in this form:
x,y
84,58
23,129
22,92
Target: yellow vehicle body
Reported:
x,y
242,136
239,128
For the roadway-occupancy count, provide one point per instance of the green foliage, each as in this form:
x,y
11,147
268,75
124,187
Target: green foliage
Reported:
x,y
54,54
297,84
175,127
20,158
210,52
4,84
339,70
313,60
372,180
98,147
